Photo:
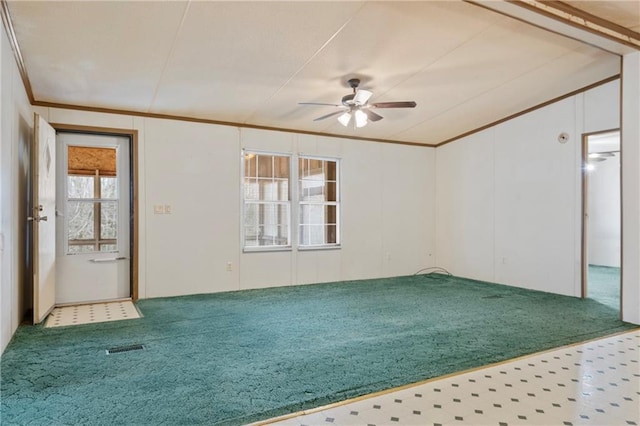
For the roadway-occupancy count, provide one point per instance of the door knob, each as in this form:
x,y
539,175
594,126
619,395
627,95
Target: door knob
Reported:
x,y
36,218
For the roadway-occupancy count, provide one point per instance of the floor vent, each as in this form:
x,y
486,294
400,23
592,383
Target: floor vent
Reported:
x,y
494,296
124,349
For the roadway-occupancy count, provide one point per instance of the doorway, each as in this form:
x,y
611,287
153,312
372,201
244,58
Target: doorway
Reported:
x,y
601,245
93,217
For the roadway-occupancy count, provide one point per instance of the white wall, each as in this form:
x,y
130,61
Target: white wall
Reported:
x,y
388,207
508,198
604,213
15,136
630,149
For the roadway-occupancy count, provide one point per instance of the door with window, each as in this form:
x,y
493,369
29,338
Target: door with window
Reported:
x,y
93,218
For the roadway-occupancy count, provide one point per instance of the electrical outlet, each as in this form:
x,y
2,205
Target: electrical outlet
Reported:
x,y
158,209
167,209
229,266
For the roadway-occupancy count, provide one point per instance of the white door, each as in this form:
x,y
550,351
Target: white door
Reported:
x,y
94,218
43,202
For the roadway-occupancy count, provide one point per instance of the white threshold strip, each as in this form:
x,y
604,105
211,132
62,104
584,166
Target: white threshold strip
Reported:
x,y
90,313
591,383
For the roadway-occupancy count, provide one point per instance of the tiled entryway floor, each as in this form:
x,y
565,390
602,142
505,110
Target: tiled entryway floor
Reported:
x,y
92,313
594,383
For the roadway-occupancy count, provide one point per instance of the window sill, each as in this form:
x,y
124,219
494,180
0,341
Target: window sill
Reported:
x,y
315,248
266,249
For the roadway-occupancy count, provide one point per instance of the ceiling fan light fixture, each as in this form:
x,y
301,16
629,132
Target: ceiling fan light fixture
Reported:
x,y
356,105
361,118
362,97
345,118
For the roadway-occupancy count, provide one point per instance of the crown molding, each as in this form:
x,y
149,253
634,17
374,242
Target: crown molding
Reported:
x,y
580,19
220,123
13,41
528,110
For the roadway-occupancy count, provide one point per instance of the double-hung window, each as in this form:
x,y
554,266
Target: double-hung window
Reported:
x,y
318,205
267,201
269,216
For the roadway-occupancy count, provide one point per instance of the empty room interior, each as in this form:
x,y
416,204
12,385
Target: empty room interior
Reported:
x,y
303,213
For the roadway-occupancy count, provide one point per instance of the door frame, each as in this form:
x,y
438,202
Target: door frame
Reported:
x,y
132,135
584,250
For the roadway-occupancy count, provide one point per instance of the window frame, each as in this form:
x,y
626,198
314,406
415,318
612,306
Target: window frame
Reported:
x,y
97,201
243,203
97,242
337,203
294,203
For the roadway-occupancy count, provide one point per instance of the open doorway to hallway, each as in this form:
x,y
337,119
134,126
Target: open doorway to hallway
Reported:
x,y
602,220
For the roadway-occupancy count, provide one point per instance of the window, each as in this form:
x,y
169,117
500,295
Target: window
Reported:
x,y
267,201
92,200
318,202
269,216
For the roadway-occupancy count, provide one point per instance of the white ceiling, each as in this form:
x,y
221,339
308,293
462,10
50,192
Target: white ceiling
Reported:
x,y
252,62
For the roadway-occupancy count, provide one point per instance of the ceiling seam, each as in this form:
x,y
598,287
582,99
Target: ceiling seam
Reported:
x,y
436,60
311,58
169,55
469,99
444,55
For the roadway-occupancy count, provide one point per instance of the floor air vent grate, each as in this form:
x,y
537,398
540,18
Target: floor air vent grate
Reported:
x,y
494,296
120,349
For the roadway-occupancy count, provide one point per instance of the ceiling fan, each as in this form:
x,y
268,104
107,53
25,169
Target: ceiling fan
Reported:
x,y
356,106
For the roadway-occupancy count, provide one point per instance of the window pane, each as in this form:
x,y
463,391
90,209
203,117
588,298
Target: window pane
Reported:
x,y
108,247
250,165
80,220
330,215
109,220
80,186
312,214
251,189
109,188
251,214
318,194
265,166
331,234
281,167
266,195
273,214
315,235
274,190
267,235
84,248
313,191
311,235
331,191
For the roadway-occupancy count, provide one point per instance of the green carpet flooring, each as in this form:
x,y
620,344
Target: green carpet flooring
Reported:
x,y
603,285
233,358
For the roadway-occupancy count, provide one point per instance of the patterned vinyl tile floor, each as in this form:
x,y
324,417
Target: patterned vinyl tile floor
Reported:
x,y
92,313
594,383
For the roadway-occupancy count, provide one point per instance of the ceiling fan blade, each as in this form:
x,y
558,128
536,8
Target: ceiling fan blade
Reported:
x,y
329,115
361,97
318,103
372,115
403,104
